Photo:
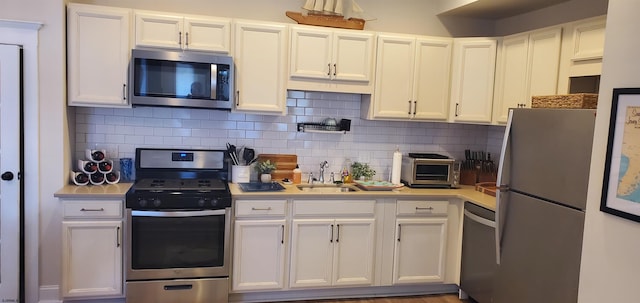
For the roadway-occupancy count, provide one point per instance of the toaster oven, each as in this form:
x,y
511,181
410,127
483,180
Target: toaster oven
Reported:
x,y
430,170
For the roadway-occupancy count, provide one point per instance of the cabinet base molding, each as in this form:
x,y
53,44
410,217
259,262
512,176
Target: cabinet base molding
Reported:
x,y
341,293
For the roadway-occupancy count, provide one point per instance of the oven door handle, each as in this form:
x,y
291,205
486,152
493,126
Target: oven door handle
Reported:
x,y
178,214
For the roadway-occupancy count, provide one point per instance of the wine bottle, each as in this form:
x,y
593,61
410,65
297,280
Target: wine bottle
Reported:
x,y
97,178
105,166
81,178
90,167
112,177
97,155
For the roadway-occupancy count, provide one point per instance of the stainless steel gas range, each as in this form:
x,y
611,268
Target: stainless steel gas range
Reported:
x,y
178,227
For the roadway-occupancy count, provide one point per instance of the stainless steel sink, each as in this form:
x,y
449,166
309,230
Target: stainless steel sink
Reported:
x,y
327,188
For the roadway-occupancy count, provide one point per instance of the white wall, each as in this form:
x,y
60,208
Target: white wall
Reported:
x,y
402,16
611,252
408,16
53,140
120,131
561,13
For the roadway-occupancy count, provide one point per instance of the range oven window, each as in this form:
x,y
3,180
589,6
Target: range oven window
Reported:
x,y
432,172
177,242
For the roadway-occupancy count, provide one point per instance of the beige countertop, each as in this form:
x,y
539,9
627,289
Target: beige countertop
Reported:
x,y
466,193
117,190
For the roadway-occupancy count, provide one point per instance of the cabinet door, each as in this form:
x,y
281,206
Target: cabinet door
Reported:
x,y
258,258
311,52
352,56
420,250
431,79
474,62
98,54
92,258
311,253
393,94
353,252
543,63
207,34
260,58
158,30
511,75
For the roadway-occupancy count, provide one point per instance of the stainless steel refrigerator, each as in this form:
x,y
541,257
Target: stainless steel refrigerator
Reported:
x,y
543,175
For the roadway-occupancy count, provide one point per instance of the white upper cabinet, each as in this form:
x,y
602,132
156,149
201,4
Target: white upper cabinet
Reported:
x,y
261,62
528,65
474,61
395,61
98,51
431,79
331,60
331,54
588,40
197,33
412,78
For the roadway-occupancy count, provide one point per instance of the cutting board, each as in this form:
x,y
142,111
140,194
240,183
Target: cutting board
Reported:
x,y
285,164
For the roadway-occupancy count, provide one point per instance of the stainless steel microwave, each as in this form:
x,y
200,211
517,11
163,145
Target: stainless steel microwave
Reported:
x,y
430,170
181,79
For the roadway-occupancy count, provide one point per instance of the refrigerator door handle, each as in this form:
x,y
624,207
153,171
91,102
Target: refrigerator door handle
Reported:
x,y
503,187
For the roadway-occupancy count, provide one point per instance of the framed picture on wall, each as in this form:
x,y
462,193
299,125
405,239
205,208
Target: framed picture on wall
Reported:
x,y
621,187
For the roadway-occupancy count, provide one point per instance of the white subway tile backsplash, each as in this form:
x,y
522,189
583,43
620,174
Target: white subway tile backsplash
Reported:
x,y
122,130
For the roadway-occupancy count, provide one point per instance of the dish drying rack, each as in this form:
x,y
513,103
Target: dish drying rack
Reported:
x,y
315,127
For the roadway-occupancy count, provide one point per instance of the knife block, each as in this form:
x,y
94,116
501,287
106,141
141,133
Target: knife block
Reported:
x,y
468,177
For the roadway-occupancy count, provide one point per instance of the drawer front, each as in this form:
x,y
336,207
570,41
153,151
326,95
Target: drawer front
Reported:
x,y
92,209
260,208
422,208
334,207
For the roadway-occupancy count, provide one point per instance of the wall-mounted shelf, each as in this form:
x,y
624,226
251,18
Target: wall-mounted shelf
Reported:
x,y
310,127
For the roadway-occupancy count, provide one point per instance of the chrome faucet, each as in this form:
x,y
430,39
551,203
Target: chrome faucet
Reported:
x,y
323,165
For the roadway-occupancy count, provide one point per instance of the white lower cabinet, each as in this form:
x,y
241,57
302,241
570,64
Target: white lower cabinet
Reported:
x,y
421,241
92,249
332,243
259,245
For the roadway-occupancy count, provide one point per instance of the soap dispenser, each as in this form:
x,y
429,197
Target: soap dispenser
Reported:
x,y
297,175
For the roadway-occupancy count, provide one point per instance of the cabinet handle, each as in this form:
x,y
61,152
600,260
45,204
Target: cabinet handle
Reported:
x,y
282,239
329,72
180,38
331,239
254,208
118,236
237,98
186,40
399,231
338,233
335,69
457,106
424,208
415,106
409,108
124,92
92,209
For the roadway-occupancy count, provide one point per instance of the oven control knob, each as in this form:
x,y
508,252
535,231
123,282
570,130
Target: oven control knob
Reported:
x,y
156,202
201,202
142,202
214,202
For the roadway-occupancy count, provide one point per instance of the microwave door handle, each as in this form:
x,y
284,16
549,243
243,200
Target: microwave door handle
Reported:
x,y
177,214
214,81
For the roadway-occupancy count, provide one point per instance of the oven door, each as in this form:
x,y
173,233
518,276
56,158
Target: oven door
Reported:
x,y
432,173
173,244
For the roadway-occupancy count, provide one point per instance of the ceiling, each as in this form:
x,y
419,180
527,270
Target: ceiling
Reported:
x,y
498,9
